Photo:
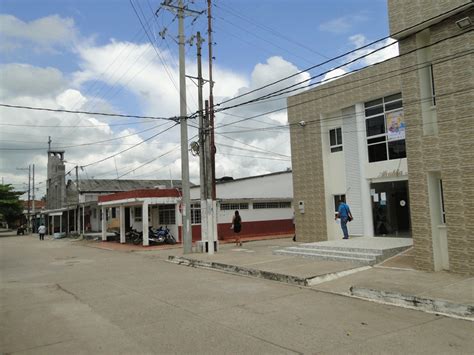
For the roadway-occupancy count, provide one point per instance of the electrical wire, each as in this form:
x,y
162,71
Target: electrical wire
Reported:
x,y
440,16
87,112
134,146
90,143
397,72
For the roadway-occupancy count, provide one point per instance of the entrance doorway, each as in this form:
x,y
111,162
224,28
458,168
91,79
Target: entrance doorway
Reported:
x,y
128,227
391,209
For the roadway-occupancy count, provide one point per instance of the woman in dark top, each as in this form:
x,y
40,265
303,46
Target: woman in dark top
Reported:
x,y
237,226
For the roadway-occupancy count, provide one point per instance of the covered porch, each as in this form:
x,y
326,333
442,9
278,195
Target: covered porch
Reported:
x,y
141,209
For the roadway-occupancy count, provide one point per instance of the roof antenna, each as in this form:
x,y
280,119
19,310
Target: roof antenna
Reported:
x,y
49,142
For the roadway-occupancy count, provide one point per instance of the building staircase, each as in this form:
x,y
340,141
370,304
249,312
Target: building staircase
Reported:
x,y
362,251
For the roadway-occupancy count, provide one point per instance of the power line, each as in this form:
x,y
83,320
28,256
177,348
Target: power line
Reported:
x,y
398,72
75,126
90,143
88,112
269,29
252,146
126,150
318,120
440,16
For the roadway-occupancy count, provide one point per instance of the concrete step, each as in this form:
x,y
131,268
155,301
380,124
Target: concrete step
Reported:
x,y
337,252
325,256
339,248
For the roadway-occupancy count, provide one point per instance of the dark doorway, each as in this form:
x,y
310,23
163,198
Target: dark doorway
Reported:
x,y
391,209
128,227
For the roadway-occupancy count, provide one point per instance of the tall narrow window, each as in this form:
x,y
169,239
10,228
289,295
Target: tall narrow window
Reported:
x,y
195,213
426,83
443,213
138,214
433,92
335,139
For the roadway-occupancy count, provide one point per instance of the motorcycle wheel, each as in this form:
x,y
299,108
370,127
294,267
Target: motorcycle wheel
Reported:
x,y
170,240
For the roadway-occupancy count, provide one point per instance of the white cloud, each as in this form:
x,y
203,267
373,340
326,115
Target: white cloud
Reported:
x,y
44,33
27,80
333,75
136,70
343,24
360,40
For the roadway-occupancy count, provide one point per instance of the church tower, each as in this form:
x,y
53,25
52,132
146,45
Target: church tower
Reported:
x,y
56,183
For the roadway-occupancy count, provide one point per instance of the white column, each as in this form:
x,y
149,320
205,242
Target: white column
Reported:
x,y
104,224
122,224
60,223
366,203
83,219
145,223
210,222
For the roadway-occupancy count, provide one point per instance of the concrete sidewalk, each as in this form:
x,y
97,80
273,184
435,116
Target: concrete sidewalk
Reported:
x,y
440,292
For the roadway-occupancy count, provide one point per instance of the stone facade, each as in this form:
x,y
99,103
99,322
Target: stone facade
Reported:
x,y
447,150
306,145
439,134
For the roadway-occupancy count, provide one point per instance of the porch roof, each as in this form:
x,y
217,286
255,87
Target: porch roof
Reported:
x,y
149,195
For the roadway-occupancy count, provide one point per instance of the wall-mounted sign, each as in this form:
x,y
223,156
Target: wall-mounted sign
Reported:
x,y
395,125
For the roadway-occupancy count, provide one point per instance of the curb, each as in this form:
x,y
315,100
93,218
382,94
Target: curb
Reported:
x,y
438,306
435,306
292,280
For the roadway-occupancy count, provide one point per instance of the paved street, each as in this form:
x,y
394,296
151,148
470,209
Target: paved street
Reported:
x,y
60,296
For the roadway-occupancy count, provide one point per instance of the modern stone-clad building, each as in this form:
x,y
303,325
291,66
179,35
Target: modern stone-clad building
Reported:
x,y
396,140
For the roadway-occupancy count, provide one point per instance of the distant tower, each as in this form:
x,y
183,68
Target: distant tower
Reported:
x,y
56,184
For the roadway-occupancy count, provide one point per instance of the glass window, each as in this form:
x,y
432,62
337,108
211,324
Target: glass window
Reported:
x,y
443,212
271,204
114,212
375,125
234,206
377,152
195,213
335,139
397,149
167,214
138,214
384,143
371,111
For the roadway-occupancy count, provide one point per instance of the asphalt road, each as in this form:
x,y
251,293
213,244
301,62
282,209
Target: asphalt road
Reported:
x,y
61,297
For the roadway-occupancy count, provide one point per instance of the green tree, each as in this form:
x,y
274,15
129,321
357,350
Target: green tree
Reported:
x,y
10,206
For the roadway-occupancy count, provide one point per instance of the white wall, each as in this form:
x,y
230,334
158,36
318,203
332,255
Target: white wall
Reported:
x,y
334,171
349,172
272,187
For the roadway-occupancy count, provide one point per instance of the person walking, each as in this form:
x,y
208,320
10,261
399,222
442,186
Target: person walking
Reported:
x,y
345,215
41,231
237,226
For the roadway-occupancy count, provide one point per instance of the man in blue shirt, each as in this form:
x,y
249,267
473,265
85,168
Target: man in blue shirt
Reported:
x,y
344,213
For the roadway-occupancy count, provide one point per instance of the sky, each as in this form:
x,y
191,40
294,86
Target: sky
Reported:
x,y
120,56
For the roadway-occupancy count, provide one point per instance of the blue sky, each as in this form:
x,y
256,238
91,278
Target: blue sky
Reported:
x,y
94,55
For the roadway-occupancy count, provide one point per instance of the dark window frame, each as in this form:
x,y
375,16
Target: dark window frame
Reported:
x,y
335,140
379,148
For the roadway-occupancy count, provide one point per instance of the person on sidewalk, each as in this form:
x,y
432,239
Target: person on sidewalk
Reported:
x,y
345,215
41,231
237,226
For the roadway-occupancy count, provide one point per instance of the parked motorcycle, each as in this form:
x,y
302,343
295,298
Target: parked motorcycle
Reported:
x,y
161,235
